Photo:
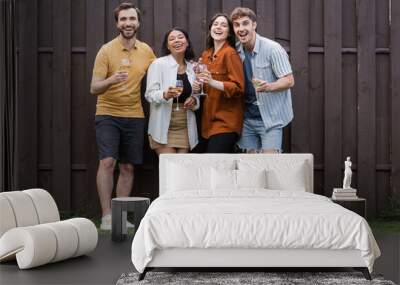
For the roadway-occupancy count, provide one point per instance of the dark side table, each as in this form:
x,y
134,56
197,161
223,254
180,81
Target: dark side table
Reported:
x,y
357,205
119,207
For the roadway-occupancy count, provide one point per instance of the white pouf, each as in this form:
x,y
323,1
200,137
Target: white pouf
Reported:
x,y
31,232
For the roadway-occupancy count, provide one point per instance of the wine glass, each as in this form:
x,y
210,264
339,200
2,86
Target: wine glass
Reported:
x,y
256,83
201,69
124,66
178,90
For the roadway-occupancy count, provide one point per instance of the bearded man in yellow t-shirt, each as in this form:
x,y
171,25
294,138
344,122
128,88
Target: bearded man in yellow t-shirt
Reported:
x,y
119,67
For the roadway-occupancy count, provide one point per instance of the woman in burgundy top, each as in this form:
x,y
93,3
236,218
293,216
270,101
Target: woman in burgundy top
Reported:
x,y
223,108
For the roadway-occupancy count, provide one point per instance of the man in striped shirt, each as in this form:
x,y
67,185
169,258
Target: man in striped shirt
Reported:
x,y
268,79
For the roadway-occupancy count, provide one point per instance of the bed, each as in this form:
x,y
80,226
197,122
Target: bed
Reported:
x,y
223,210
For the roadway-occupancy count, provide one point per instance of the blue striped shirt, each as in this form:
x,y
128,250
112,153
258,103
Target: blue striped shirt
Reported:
x,y
270,62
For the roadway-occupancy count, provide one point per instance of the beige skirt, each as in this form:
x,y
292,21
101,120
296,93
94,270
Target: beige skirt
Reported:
x,y
177,132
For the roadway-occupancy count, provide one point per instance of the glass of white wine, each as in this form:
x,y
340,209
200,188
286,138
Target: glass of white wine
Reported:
x,y
201,69
256,83
178,90
125,66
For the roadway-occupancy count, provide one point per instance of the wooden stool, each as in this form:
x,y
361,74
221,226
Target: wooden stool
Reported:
x,y
119,207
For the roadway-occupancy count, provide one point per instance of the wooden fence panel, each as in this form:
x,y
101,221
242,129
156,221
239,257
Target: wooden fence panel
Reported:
x,y
266,18
146,30
61,176
229,5
299,39
366,87
198,25
27,128
181,13
162,22
395,97
95,38
213,7
333,94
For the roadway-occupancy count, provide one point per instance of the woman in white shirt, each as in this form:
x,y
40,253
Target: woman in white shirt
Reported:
x,y
171,130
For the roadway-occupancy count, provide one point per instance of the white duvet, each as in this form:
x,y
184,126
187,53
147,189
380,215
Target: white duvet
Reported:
x,y
250,219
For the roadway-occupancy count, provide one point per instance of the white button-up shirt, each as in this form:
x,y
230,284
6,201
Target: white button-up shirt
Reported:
x,y
271,62
161,75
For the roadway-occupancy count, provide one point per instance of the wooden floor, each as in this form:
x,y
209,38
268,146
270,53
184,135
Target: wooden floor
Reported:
x,y
110,260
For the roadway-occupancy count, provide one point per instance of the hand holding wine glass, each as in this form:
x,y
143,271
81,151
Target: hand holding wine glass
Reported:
x,y
202,74
256,84
178,91
123,71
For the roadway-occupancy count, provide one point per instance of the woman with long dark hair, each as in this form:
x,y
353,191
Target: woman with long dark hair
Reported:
x,y
223,108
172,123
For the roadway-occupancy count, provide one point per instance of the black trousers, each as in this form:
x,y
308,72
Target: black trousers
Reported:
x,y
220,143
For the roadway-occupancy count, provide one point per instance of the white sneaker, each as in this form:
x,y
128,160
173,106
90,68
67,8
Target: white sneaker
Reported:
x,y
106,223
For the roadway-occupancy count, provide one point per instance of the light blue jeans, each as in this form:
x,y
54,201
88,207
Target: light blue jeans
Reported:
x,y
256,137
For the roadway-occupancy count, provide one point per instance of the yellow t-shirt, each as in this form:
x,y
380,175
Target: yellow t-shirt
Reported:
x,y
122,99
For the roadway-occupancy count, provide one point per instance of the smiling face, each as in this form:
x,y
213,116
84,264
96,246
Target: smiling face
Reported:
x,y
128,23
220,29
245,30
177,42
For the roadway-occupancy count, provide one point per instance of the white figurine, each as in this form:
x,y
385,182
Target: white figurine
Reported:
x,y
347,174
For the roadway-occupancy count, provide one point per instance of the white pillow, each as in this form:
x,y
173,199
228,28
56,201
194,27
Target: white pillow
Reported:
x,y
251,178
283,173
223,179
292,179
188,177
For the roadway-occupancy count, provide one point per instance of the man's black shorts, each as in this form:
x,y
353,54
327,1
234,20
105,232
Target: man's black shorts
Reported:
x,y
120,138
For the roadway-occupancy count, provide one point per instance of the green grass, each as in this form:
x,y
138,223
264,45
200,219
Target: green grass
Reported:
x,y
385,227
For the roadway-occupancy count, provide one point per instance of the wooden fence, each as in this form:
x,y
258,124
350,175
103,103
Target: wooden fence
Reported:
x,y
345,56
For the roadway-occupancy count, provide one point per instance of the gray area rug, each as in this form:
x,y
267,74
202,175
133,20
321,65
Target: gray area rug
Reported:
x,y
232,278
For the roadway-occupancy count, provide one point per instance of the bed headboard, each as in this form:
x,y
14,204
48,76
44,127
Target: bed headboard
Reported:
x,y
285,163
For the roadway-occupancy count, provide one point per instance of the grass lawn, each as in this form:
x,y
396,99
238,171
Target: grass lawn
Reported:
x,y
385,227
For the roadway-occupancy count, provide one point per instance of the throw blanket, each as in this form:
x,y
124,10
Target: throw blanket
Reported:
x,y
252,218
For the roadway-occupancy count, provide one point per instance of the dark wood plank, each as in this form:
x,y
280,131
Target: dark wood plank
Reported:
x,y
317,17
95,38
5,132
162,21
181,13
382,23
266,18
198,25
61,176
249,4
27,95
229,5
78,109
316,93
349,20
349,107
111,29
146,30
333,95
299,33
395,97
45,113
45,22
383,184
383,110
213,7
282,23
78,34
366,88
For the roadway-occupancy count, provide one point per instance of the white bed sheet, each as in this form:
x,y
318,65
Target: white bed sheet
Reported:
x,y
251,218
